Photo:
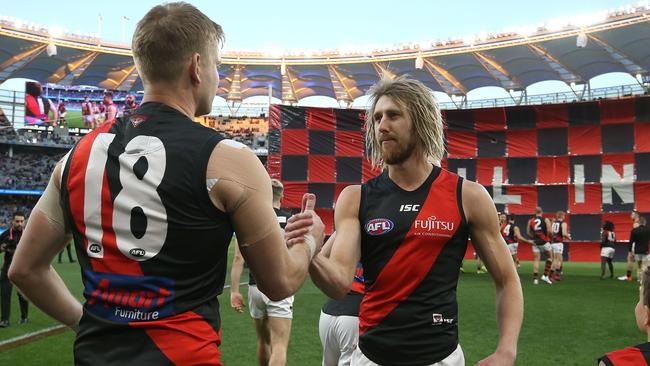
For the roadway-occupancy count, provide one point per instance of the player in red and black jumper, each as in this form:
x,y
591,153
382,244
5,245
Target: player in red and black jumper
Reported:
x,y
151,202
560,230
607,241
512,235
538,229
409,228
638,355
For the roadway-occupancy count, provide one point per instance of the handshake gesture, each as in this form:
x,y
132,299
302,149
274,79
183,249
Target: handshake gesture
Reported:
x,y
306,227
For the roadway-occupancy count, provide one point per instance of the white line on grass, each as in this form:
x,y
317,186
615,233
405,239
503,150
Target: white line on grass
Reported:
x,y
26,337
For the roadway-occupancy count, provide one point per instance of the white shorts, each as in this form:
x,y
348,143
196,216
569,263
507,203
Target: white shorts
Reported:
x,y
456,358
513,248
607,252
339,336
261,306
538,248
641,257
557,247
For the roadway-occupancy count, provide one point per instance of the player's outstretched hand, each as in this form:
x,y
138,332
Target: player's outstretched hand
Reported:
x,y
304,223
317,230
498,358
237,302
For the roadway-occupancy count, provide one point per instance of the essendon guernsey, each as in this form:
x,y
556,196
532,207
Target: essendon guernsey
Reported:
x,y
152,247
538,226
558,232
508,233
631,356
412,246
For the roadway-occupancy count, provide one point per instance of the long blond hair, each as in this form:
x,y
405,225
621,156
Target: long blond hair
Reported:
x,y
418,101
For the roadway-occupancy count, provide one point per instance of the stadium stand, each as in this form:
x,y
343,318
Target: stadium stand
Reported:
x,y
27,170
68,94
12,203
250,131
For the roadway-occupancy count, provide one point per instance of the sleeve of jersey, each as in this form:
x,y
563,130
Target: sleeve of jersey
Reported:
x,y
244,187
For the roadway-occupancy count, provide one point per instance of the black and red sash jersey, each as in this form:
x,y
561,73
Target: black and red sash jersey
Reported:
x,y
151,245
412,245
607,239
283,215
631,356
538,227
558,234
508,233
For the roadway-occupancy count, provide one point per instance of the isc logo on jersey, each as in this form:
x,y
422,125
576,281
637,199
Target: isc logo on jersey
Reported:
x,y
409,208
379,226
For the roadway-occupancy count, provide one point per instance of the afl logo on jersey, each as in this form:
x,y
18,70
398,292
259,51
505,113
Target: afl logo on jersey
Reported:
x,y
137,119
95,248
137,252
379,226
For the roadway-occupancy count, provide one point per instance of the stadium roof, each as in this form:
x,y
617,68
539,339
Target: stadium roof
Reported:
x,y
572,53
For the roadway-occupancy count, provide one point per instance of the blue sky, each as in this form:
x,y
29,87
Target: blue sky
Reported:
x,y
321,24
318,24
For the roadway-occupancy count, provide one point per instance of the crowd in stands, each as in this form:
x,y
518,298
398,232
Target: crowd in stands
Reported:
x,y
39,138
96,95
250,131
12,203
30,171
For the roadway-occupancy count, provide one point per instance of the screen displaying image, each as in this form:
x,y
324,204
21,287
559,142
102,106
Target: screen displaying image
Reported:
x,y
39,110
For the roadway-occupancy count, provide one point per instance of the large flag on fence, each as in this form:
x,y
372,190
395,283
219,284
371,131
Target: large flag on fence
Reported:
x,y
591,159
317,150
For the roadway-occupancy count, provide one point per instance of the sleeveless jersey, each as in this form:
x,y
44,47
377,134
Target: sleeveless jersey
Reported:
x,y
631,356
607,239
348,305
412,245
538,227
151,245
108,109
86,108
283,215
508,233
558,234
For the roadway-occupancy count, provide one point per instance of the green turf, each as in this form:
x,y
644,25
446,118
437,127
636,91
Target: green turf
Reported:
x,y
568,323
73,119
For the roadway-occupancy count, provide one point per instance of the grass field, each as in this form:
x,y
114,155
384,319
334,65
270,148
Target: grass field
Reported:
x,y
568,323
73,118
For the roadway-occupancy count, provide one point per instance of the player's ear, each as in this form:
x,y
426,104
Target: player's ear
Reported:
x,y
646,310
194,69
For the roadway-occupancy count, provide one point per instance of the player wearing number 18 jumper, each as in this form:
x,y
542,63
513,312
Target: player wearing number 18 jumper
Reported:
x,y
152,202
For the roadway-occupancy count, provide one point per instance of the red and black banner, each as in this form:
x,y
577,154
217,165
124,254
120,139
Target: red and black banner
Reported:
x,y
591,159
